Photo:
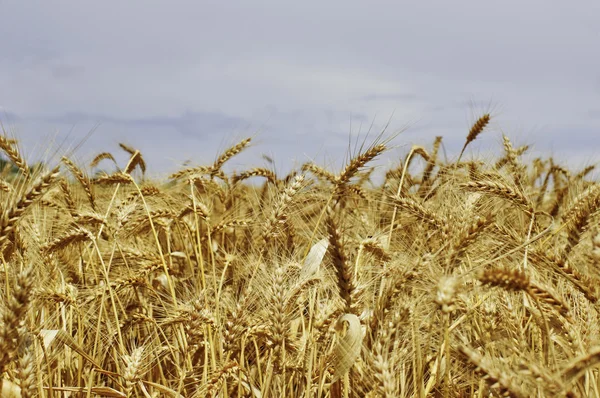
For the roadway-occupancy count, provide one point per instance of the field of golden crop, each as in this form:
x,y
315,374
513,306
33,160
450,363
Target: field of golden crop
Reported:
x,y
452,278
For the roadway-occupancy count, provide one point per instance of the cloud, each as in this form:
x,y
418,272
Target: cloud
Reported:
x,y
65,71
189,123
8,117
405,97
300,76
594,113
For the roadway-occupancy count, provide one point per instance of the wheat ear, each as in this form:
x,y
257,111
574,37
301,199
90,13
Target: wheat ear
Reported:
x,y
500,190
345,280
13,314
11,150
256,172
230,152
476,129
357,163
83,180
12,215
319,172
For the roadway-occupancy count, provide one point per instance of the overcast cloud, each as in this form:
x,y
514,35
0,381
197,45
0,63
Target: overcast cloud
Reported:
x,y
181,80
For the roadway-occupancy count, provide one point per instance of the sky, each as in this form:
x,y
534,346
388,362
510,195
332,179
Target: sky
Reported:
x,y
183,80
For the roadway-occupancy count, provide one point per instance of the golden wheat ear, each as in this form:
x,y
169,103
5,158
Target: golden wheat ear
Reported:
x,y
256,172
500,190
136,159
13,316
12,215
319,172
83,179
229,153
100,157
10,148
278,216
476,129
357,163
345,280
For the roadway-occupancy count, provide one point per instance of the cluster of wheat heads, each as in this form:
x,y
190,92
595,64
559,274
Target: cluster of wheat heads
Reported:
x,y
461,278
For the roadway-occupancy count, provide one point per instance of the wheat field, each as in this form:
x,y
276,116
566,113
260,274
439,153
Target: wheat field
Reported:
x,y
451,278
